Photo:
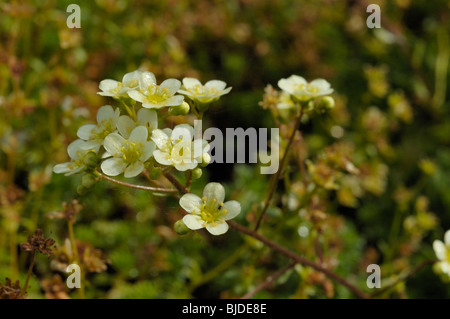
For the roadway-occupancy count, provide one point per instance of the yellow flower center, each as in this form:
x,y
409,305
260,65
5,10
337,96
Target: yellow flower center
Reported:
x,y
131,152
105,127
202,90
211,213
156,94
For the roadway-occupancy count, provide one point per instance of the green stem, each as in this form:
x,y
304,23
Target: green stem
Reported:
x,y
131,112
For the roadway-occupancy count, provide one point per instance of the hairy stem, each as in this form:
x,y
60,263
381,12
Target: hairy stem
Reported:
x,y
145,188
299,259
30,270
293,256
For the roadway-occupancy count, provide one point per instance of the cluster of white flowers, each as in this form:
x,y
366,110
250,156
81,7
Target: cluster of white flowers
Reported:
x,y
130,143
295,89
442,251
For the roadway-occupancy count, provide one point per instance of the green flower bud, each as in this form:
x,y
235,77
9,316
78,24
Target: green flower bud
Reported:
x,y
91,159
81,190
88,180
181,109
155,173
197,173
325,104
181,228
206,159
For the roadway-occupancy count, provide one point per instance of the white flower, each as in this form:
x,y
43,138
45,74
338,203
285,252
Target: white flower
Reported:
x,y
176,147
210,211
210,92
129,155
145,117
285,102
77,150
153,96
298,87
106,124
117,89
442,251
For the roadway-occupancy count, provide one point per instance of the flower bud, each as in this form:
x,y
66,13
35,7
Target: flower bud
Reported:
x,y
197,173
155,173
325,104
91,159
81,190
181,228
206,159
181,109
88,180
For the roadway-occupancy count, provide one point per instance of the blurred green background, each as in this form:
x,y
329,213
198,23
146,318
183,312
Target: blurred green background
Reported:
x,y
392,108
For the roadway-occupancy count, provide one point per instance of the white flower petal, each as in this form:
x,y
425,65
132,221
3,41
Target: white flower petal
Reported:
x,y
162,158
74,148
107,85
139,134
136,95
321,84
86,131
191,203
125,125
113,144
190,83
148,118
193,222
174,100
132,76
233,209
62,168
147,151
182,167
173,85
160,138
289,85
182,132
216,84
134,169
447,238
113,166
217,229
214,190
146,79
439,249
105,113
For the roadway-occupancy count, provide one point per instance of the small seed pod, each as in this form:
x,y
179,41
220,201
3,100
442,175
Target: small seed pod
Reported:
x,y
88,180
325,104
181,228
91,159
81,190
206,159
197,173
181,109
